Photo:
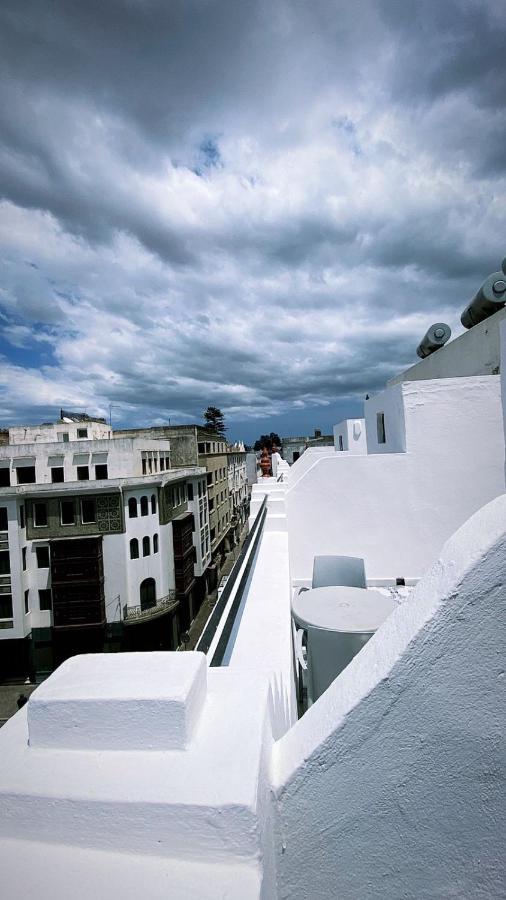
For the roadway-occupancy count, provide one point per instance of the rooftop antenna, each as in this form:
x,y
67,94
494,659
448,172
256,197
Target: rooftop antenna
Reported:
x,y
111,407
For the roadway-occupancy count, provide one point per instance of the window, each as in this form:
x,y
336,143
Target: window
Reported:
x,y
202,448
45,599
132,508
209,477
82,432
155,543
63,437
83,473
101,472
27,602
57,474
3,518
153,504
134,549
23,557
211,504
143,465
5,563
42,554
5,606
21,516
150,465
148,593
341,442
26,474
380,425
144,506
146,550
190,491
213,533
88,511
67,512
5,477
162,463
167,462
39,515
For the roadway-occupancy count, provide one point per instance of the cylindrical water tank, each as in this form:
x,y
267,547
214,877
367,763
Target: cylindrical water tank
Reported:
x,y
338,621
490,298
434,338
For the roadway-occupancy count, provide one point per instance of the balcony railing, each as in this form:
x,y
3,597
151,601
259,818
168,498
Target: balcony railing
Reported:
x,y
133,614
218,630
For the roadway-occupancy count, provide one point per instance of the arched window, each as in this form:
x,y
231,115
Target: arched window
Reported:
x,y
144,506
155,543
134,549
153,503
148,593
132,508
145,546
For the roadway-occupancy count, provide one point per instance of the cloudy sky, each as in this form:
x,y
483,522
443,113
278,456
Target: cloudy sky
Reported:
x,y
256,205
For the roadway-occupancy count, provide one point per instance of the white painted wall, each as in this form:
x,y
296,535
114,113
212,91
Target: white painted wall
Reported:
x,y
396,510
391,785
474,352
390,402
352,434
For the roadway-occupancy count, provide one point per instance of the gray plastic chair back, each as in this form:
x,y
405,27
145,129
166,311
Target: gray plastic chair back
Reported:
x,y
334,570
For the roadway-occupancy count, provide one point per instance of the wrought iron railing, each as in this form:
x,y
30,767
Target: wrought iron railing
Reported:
x,y
133,614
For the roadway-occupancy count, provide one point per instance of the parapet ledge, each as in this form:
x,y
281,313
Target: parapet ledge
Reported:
x,y
120,701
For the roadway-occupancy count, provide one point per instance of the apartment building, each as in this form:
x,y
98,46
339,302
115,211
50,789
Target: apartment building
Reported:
x,y
237,487
103,544
225,476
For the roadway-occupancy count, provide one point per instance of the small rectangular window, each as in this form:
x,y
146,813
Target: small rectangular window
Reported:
x,y
63,437
45,599
67,512
26,474
42,554
40,515
5,562
22,516
27,602
5,477
88,514
101,472
23,558
82,432
213,533
341,442
190,491
143,465
380,425
57,474
83,473
167,463
4,523
5,606
162,463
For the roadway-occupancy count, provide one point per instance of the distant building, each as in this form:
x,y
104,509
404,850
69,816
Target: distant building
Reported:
x,y
99,536
294,447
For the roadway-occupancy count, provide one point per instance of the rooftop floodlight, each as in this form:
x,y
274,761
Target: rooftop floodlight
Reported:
x,y
490,298
436,336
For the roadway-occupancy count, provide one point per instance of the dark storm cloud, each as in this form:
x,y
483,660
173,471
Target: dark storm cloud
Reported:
x,y
260,205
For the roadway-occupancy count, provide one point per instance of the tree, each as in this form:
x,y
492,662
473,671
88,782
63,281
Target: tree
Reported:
x,y
268,440
214,420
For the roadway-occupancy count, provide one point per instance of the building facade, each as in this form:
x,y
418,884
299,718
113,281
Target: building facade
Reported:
x,y
102,545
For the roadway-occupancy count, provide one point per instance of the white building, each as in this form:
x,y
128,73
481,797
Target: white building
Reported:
x,y
191,775
237,486
99,537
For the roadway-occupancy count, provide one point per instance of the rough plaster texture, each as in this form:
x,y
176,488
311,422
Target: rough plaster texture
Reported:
x,y
397,509
392,784
122,701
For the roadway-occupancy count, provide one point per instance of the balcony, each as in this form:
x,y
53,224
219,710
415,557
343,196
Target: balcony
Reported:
x,y
133,615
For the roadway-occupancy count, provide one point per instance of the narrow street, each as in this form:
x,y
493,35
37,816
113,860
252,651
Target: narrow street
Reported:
x,y
205,610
